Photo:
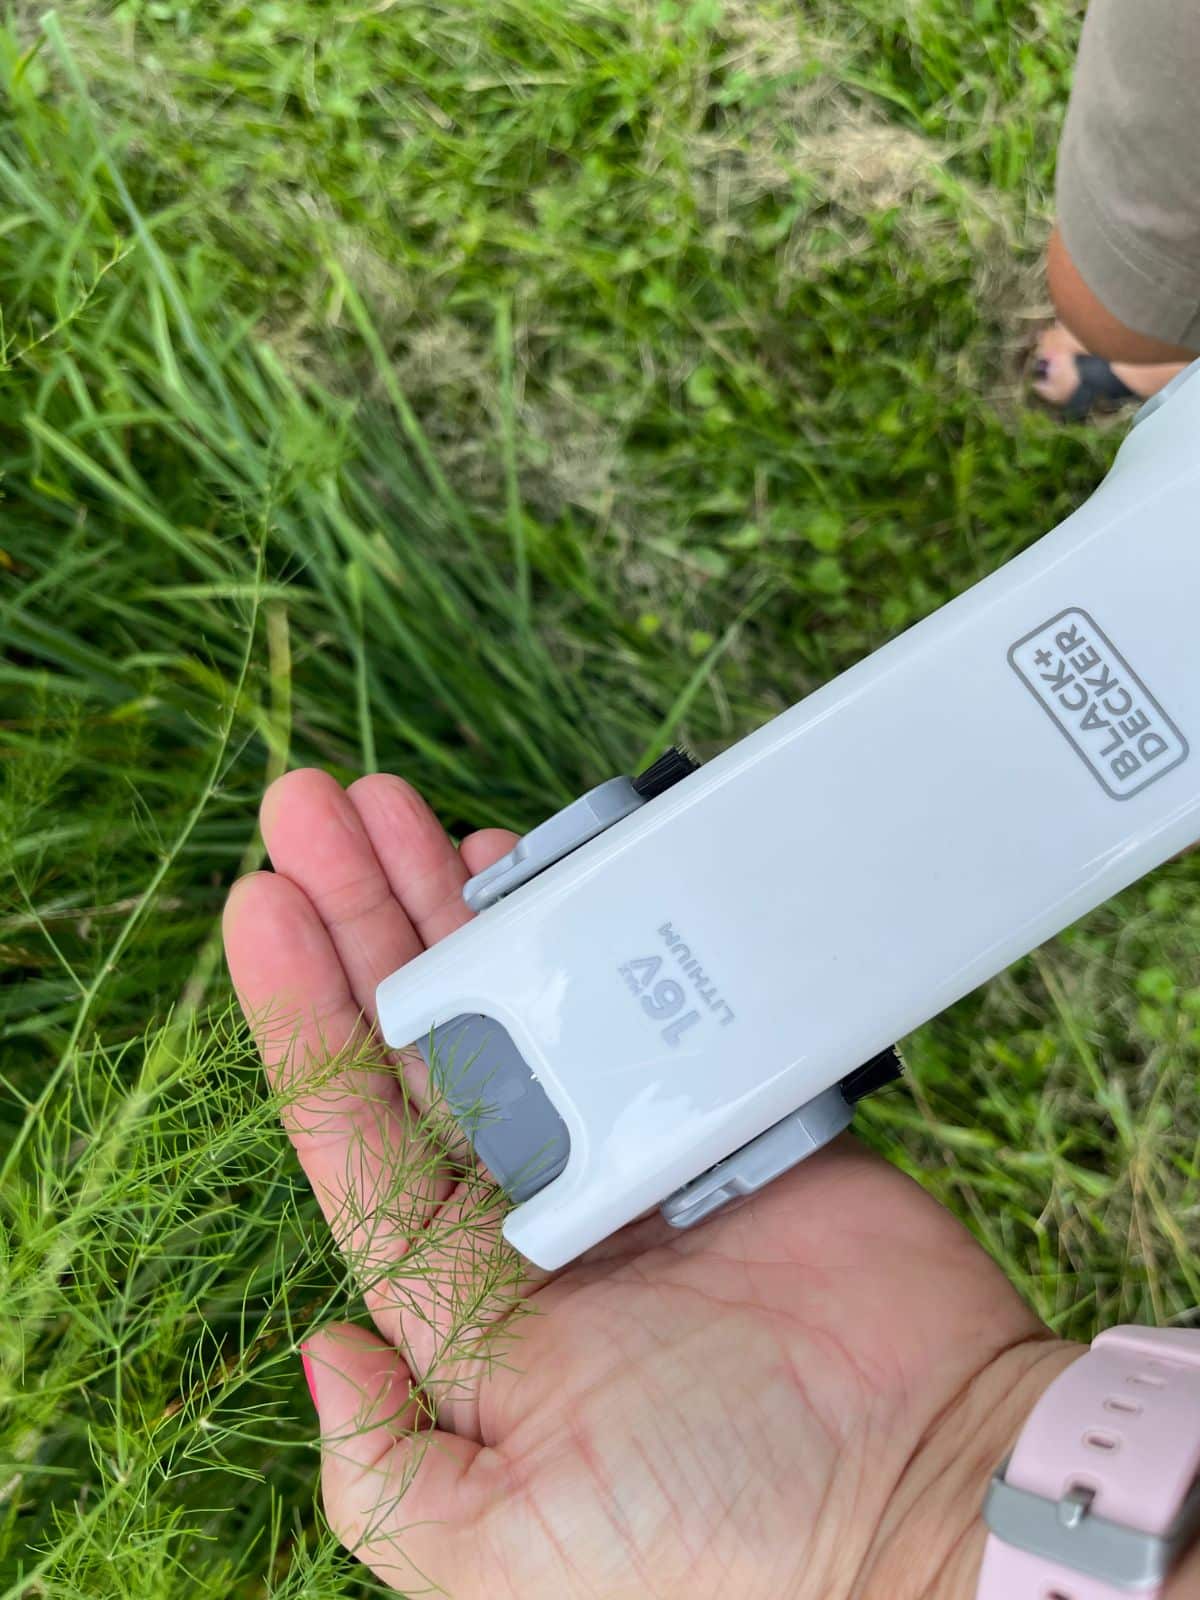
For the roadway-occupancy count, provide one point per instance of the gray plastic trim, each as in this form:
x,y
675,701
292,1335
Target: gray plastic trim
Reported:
x,y
494,1097
565,831
749,1169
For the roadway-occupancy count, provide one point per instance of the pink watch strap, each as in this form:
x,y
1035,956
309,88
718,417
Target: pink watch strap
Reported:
x,y
1099,1494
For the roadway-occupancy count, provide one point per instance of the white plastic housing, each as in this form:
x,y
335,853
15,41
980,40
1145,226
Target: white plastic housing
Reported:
x,y
858,864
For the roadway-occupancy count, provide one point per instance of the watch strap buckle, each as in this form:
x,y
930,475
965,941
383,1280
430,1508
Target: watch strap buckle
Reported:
x,y
1069,1533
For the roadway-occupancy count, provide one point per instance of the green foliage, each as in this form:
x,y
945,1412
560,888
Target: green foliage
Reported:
x,y
486,392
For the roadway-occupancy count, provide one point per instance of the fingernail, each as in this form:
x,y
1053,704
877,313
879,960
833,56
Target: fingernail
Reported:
x,y
1041,367
306,1363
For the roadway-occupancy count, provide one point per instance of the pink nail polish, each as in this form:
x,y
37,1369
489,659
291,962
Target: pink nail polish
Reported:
x,y
306,1363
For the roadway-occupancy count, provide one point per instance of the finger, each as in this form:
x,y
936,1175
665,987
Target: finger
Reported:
x,y
479,850
294,994
401,1496
315,838
426,875
377,1181
436,1302
425,871
464,1280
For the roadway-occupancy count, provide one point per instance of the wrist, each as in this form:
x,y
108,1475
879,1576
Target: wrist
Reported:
x,y
929,1543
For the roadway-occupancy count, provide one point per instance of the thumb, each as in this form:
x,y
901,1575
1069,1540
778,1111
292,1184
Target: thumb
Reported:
x,y
395,1489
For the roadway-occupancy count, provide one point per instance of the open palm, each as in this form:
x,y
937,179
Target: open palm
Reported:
x,y
797,1399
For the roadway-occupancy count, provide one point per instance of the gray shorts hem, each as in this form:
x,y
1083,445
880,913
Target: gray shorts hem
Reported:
x,y
1151,294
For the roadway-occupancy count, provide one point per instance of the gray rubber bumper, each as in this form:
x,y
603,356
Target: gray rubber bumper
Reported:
x,y
491,1093
756,1164
553,839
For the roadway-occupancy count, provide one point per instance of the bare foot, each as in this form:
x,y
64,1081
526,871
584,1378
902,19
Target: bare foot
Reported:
x,y
1056,378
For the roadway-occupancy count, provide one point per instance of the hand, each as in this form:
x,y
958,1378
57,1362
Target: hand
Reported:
x,y
803,1398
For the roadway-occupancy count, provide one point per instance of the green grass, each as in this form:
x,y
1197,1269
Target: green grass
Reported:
x,y
485,392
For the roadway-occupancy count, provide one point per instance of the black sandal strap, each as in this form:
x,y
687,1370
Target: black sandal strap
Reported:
x,y
1097,381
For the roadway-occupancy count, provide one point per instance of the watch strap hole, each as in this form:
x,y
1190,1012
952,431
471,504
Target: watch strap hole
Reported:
x,y
1106,1442
1118,1402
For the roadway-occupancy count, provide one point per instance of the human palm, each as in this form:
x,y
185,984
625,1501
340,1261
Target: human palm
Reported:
x,y
787,1401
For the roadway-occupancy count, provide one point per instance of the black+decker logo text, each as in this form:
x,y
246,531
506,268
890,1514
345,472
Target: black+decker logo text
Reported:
x,y
1107,714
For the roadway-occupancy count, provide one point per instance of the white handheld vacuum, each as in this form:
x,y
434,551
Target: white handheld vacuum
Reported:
x,y
678,987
